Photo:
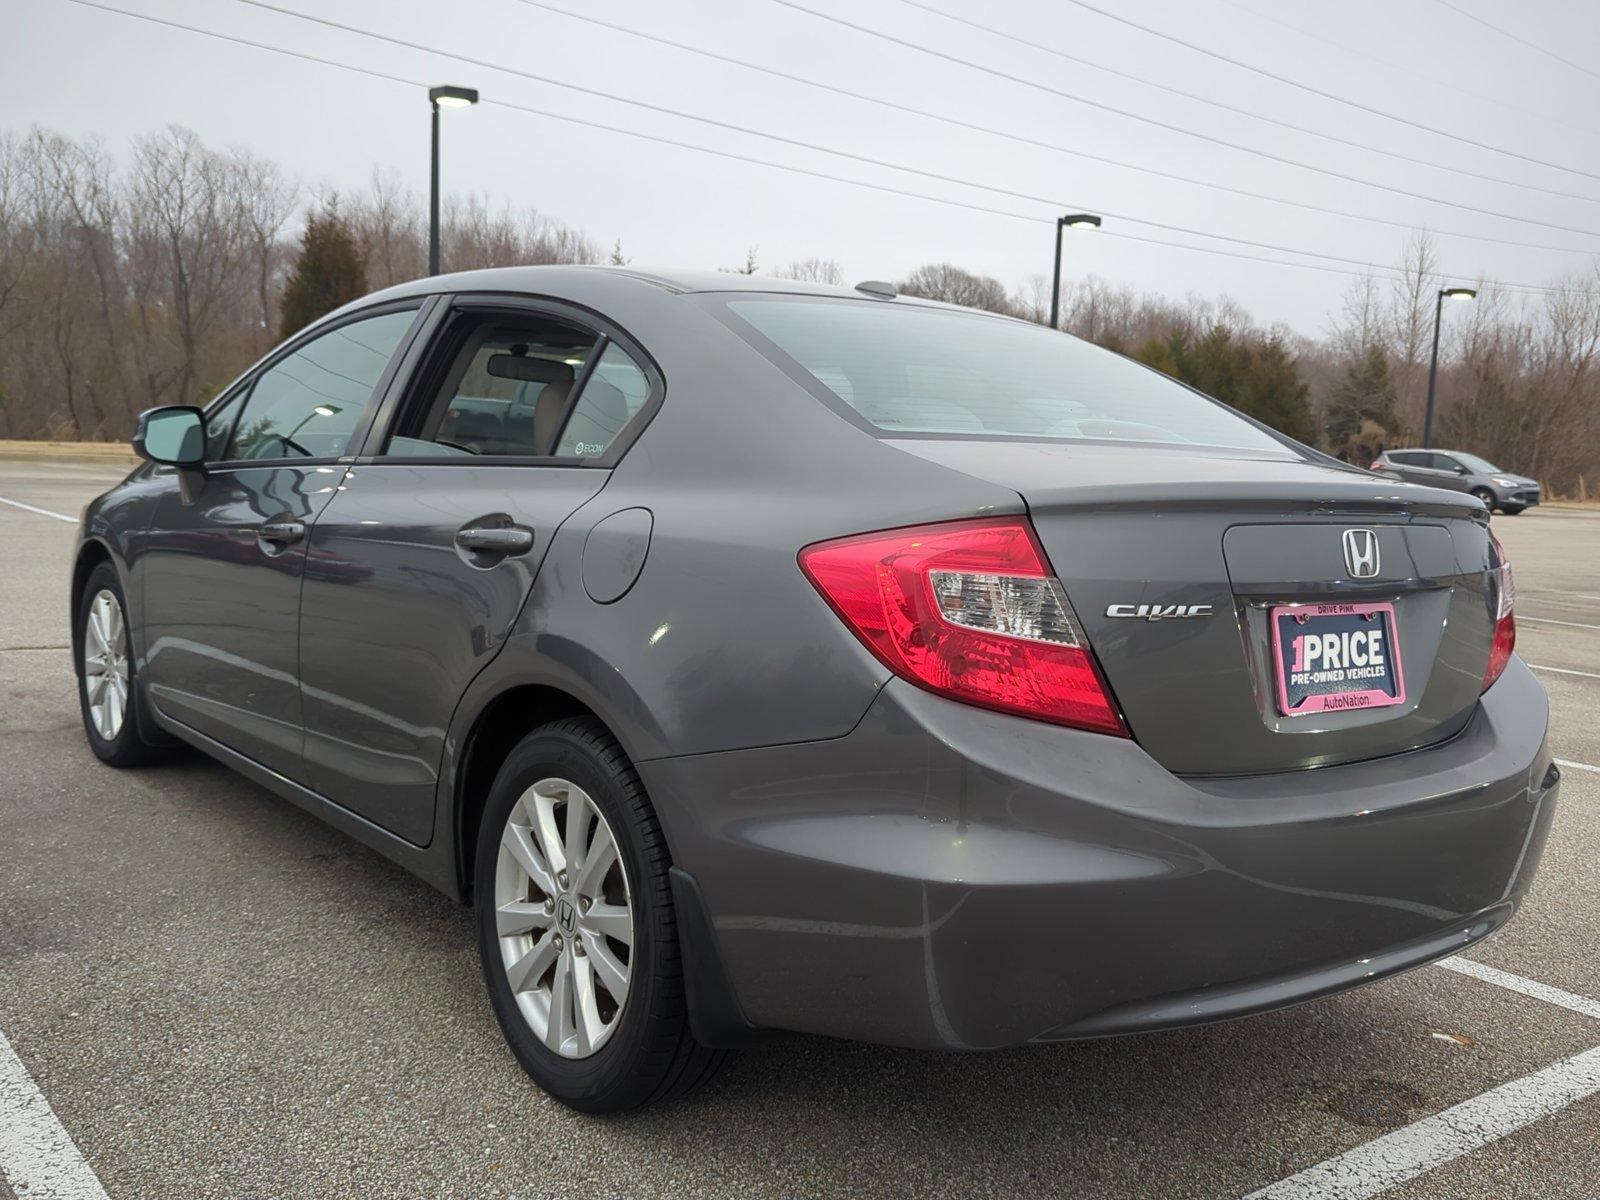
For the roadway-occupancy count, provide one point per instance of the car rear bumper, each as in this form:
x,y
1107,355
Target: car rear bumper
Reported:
x,y
944,876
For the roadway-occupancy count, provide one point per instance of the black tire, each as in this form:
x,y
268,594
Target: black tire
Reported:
x,y
1512,510
128,748
1486,496
651,1055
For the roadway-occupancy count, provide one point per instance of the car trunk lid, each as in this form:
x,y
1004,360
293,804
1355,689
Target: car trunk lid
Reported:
x,y
1174,560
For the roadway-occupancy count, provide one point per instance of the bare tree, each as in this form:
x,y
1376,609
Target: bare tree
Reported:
x,y
955,285
813,270
1409,327
750,266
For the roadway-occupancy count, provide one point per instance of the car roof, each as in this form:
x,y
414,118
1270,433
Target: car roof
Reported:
x,y
543,279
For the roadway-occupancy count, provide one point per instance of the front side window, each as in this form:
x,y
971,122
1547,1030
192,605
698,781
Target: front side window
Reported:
x,y
1480,466
306,405
219,425
906,369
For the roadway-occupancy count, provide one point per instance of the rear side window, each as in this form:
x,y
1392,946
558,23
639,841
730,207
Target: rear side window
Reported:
x,y
501,389
307,404
612,396
912,370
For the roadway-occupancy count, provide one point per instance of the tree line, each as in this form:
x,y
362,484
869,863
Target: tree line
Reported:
x,y
156,279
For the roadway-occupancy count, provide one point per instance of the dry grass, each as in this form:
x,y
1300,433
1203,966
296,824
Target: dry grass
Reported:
x,y
107,452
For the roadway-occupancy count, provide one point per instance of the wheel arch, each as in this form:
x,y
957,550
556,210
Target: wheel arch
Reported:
x,y
503,720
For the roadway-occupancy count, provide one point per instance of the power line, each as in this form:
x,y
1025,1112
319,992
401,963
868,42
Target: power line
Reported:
x,y
800,143
1042,87
1023,139
1515,38
1316,91
1365,269
1237,110
1453,85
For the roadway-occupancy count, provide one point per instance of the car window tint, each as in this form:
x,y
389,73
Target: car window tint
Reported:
x,y
614,393
1443,462
307,405
505,393
910,369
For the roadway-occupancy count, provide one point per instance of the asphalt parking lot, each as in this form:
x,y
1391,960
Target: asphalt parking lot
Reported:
x,y
219,996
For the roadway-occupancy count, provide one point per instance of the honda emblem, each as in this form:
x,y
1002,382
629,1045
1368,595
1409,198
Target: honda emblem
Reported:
x,y
1361,553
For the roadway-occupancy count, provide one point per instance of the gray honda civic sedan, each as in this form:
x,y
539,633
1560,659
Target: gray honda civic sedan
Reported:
x,y
757,656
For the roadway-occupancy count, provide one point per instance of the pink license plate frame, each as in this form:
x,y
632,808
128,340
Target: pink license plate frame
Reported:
x,y
1355,699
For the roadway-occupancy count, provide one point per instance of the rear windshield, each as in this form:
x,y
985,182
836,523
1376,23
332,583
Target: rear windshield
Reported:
x,y
922,371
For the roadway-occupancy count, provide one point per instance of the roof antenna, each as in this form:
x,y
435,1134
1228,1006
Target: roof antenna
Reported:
x,y
876,287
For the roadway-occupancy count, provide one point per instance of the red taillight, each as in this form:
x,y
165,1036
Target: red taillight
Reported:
x,y
1502,600
967,609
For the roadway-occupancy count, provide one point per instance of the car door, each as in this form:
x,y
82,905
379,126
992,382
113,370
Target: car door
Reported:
x,y
1450,472
421,563
1415,466
221,564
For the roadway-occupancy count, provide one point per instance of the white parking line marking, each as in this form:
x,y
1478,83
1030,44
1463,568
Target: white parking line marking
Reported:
x,y
37,1157
1548,621
43,512
1560,592
1565,671
1528,987
1577,766
1392,1159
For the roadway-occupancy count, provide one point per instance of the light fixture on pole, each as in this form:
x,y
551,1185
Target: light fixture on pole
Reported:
x,y
1455,293
1076,221
441,97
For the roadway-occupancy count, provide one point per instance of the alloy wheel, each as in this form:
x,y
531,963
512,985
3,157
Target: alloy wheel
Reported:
x,y
105,665
564,917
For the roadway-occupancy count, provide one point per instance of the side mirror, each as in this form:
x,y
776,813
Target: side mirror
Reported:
x,y
174,436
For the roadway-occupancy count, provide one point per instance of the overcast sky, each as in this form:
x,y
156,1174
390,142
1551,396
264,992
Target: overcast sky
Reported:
x,y
81,70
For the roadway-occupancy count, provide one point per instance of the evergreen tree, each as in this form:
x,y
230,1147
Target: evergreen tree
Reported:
x,y
1256,376
1366,396
328,272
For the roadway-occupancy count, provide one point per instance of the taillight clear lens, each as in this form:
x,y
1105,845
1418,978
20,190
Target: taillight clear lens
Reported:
x,y
1502,600
967,609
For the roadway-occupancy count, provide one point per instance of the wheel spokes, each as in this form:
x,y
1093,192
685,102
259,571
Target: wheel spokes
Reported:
x,y
601,854
559,1028
608,968
588,1024
577,831
105,666
522,916
563,917
525,974
609,920
518,840
543,812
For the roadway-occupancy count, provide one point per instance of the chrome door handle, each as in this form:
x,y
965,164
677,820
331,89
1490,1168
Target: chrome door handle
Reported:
x,y
495,539
281,533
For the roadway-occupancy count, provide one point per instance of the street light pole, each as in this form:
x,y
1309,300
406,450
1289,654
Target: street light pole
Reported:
x,y
1077,221
1433,365
448,97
